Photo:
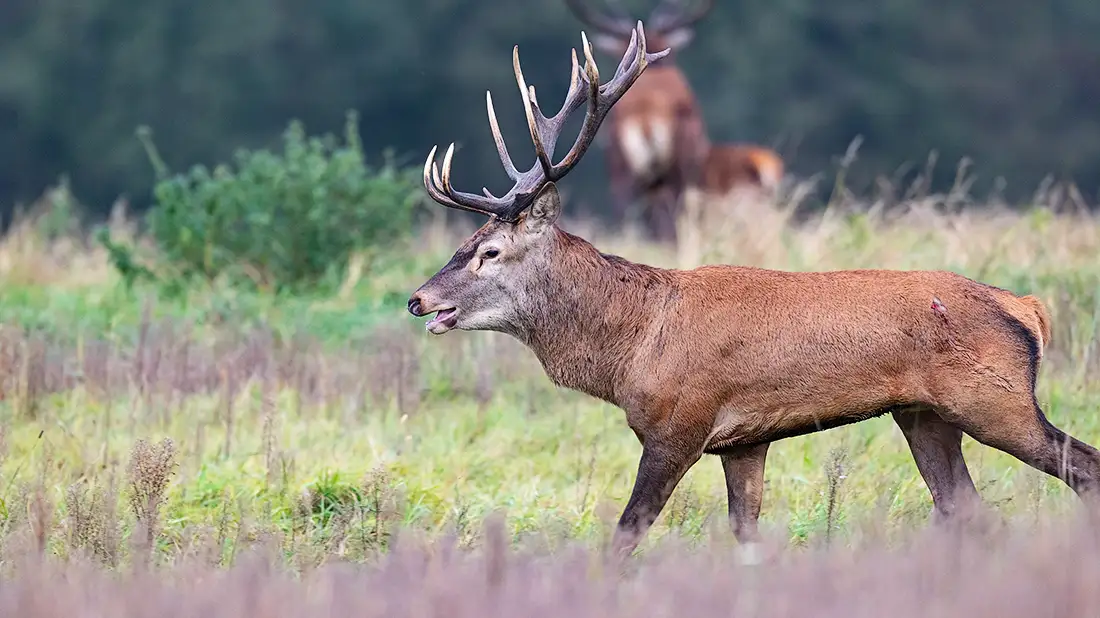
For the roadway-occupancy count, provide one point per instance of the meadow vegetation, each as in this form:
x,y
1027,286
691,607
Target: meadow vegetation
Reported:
x,y
259,414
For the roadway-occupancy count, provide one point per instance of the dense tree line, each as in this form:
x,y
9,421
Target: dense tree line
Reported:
x,y
1013,85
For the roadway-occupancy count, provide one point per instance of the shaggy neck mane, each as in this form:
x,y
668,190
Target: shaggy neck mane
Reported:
x,y
588,313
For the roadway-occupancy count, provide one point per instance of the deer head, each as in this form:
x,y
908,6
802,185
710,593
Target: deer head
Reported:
x,y
486,282
671,23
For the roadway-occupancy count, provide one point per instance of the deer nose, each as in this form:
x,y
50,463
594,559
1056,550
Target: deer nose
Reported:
x,y
414,306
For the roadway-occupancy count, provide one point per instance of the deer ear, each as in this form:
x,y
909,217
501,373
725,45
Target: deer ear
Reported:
x,y
544,211
679,38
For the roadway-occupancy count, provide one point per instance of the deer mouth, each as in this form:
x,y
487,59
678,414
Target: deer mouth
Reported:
x,y
444,320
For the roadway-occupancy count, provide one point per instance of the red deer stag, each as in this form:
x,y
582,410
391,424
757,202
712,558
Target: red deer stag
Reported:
x,y
725,360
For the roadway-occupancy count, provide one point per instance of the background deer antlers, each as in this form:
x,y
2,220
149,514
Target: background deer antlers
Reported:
x,y
667,16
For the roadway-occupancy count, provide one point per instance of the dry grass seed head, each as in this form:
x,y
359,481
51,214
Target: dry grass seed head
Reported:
x,y
151,468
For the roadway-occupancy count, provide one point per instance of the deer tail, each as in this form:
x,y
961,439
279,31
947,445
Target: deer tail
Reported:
x,y
1041,313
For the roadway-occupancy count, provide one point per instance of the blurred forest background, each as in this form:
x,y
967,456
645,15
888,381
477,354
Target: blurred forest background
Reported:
x,y
1014,86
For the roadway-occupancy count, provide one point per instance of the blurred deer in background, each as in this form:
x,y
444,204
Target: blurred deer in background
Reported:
x,y
656,138
728,167
724,360
737,171
657,144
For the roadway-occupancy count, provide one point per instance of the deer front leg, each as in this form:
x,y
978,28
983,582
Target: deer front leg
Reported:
x,y
659,471
744,469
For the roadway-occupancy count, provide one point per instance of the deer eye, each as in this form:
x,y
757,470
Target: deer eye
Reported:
x,y
490,254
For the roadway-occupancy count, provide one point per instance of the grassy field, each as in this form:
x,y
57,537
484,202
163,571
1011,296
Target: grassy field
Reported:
x,y
138,428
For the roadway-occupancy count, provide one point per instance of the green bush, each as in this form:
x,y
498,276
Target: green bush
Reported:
x,y
281,220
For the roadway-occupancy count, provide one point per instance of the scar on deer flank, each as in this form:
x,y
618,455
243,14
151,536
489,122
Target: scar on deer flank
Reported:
x,y
724,359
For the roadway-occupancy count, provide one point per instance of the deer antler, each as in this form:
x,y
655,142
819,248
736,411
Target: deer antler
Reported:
x,y
671,14
544,132
616,21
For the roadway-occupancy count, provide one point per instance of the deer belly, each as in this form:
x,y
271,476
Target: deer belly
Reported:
x,y
646,146
736,426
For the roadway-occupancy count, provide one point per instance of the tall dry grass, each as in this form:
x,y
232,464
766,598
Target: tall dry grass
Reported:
x,y
914,229
1048,573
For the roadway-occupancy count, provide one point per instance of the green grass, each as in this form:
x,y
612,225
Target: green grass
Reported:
x,y
326,424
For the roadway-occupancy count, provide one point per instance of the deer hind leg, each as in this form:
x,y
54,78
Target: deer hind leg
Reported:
x,y
937,450
996,405
1020,429
744,470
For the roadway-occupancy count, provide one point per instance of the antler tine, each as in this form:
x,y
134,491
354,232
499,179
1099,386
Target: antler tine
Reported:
x,y
545,131
439,189
631,54
534,123
432,185
592,116
630,68
502,148
543,123
573,98
447,168
602,98
591,71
